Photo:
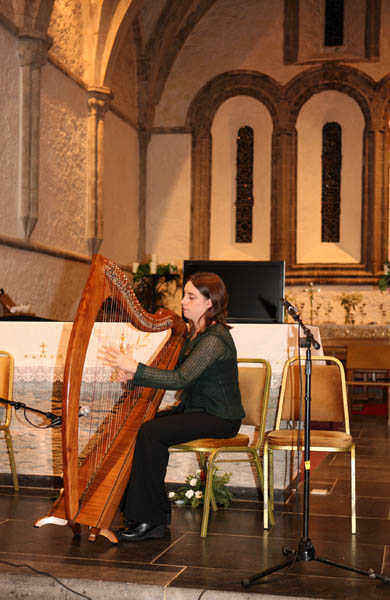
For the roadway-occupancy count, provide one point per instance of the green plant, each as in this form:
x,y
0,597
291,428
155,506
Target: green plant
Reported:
x,y
384,281
349,302
152,289
192,494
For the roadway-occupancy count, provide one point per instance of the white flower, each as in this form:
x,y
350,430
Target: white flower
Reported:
x,y
198,472
199,494
171,495
189,493
193,481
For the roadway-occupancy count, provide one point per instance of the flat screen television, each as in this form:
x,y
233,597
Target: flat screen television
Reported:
x,y
254,287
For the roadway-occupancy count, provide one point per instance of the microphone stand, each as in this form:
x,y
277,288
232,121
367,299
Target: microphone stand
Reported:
x,y
55,420
306,550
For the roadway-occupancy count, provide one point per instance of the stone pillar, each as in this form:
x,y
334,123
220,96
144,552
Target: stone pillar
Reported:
x,y
144,139
32,52
98,101
284,196
201,190
376,209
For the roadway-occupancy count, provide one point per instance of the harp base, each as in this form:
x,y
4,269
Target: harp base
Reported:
x,y
76,527
107,533
50,520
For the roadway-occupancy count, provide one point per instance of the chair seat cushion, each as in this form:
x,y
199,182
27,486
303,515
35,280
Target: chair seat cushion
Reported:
x,y
238,440
318,438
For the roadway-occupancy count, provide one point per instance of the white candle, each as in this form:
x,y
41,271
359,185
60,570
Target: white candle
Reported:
x,y
135,267
153,264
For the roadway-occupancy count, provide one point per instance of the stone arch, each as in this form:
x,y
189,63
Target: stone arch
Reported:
x,y
331,76
199,120
374,180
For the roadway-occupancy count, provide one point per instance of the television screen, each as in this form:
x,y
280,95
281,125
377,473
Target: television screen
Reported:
x,y
254,287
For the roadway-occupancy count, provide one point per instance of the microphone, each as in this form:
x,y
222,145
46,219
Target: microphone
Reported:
x,y
295,315
57,419
290,308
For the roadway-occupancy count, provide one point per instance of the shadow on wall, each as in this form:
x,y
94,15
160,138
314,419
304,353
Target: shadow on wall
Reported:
x,y
71,277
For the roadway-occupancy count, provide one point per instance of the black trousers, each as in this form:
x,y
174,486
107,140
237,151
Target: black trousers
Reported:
x,y
146,499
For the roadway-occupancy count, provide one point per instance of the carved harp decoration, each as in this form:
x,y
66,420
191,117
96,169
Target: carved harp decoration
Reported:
x,y
101,416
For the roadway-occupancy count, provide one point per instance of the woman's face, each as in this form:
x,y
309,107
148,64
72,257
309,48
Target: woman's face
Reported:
x,y
194,303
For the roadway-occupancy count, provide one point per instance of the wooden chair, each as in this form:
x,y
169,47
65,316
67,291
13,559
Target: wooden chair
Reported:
x,y
254,381
6,387
368,370
329,404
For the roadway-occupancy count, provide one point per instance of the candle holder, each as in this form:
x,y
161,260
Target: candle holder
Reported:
x,y
311,290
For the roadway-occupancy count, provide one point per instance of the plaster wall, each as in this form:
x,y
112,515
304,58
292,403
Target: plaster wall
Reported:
x,y
235,113
373,306
254,41
123,79
9,132
236,39
169,197
50,286
121,182
66,30
63,163
379,68
329,106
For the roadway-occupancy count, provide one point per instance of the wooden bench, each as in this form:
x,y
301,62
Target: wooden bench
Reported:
x,y
368,367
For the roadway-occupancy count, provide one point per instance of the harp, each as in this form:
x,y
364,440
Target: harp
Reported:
x,y
96,469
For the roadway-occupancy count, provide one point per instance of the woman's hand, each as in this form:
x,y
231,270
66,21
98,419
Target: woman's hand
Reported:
x,y
114,358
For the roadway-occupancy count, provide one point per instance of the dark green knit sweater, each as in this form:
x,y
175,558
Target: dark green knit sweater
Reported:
x,y
206,372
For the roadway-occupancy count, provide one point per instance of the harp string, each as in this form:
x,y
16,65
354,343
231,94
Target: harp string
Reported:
x,y
109,402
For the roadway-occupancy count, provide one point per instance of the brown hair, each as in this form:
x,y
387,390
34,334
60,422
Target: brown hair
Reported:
x,y
212,287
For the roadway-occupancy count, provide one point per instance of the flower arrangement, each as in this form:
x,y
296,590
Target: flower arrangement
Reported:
x,y
349,302
152,283
192,494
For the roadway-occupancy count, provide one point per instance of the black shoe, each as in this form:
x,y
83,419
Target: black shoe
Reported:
x,y
142,532
131,524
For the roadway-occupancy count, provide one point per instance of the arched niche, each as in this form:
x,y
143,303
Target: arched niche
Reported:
x,y
199,121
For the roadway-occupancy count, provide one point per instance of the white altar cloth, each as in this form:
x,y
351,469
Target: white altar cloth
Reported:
x,y
39,350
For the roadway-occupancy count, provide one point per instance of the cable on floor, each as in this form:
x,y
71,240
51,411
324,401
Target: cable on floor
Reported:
x,y
10,564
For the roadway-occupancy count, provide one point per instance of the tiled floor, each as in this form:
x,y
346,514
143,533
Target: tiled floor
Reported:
x,y
182,564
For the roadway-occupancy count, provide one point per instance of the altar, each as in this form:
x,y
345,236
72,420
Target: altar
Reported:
x,y
39,350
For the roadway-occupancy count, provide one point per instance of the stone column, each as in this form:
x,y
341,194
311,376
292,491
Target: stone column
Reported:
x,y
376,209
201,190
144,137
32,52
98,102
284,202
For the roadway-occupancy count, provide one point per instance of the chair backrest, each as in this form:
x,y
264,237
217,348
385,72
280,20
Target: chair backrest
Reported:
x,y
254,376
6,381
368,356
328,391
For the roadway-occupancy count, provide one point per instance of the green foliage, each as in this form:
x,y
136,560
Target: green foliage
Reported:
x,y
153,289
384,281
192,494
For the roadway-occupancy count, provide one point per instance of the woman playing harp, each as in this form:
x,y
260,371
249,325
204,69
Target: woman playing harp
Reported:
x,y
100,415
210,403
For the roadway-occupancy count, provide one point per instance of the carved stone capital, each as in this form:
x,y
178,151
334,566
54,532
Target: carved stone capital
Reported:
x,y
32,49
99,99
